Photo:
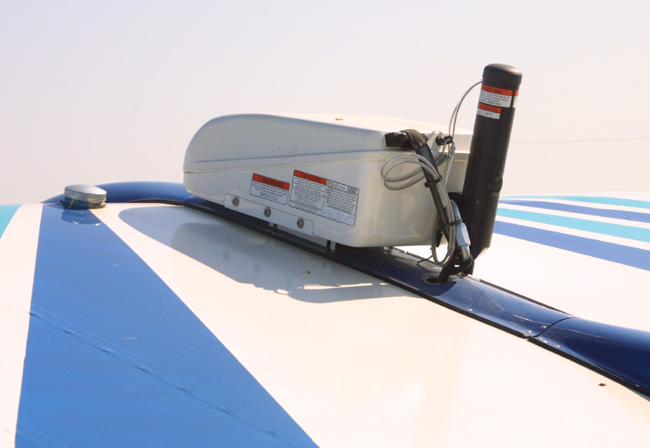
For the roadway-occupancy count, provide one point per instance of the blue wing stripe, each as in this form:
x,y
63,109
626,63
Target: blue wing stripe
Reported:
x,y
605,213
604,228
630,256
635,203
115,358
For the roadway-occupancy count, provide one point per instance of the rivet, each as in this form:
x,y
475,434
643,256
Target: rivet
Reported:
x,y
235,202
267,212
300,223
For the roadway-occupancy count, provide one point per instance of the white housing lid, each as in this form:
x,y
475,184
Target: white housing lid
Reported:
x,y
319,175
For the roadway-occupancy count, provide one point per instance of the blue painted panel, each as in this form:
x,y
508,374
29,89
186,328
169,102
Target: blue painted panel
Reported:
x,y
630,256
139,192
6,213
604,228
621,353
605,213
115,358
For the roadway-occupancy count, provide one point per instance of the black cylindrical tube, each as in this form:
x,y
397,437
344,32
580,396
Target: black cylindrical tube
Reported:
x,y
488,151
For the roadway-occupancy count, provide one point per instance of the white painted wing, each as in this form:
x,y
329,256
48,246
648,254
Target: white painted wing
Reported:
x,y
160,325
588,255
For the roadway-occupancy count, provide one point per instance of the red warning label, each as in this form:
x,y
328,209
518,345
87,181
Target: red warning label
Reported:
x,y
488,111
270,189
310,177
514,100
495,96
496,90
324,197
271,181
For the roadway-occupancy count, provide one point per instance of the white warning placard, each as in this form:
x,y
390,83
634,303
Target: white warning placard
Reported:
x,y
324,197
495,96
270,189
485,110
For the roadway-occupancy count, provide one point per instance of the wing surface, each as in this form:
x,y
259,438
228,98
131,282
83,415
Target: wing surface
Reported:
x,y
586,255
162,325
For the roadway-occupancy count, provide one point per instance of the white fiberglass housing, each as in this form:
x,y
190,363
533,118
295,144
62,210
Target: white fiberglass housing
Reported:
x,y
320,175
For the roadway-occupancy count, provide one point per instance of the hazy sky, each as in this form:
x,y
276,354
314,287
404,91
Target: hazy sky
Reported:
x,y
103,91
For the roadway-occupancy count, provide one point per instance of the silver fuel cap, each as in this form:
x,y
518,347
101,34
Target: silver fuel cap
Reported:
x,y
84,196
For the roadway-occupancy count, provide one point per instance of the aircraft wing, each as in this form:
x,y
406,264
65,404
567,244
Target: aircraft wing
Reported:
x,y
587,254
164,320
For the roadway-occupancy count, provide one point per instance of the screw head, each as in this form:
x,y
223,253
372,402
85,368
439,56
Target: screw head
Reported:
x,y
235,202
300,223
267,212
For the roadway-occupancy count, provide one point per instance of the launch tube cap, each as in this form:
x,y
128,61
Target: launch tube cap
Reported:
x,y
502,73
84,196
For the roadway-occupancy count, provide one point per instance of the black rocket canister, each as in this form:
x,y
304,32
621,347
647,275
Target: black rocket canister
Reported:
x,y
488,151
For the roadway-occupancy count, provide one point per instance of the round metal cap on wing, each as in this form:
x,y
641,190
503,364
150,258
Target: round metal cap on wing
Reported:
x,y
84,196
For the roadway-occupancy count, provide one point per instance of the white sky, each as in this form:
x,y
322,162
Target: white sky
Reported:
x,y
105,91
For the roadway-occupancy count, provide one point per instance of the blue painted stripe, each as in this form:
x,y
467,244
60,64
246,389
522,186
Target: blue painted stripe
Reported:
x,y
635,203
604,228
6,213
115,358
607,200
605,213
629,256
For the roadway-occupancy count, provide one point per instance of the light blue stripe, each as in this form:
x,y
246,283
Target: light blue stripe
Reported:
x,y
592,200
6,213
584,210
607,200
604,228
